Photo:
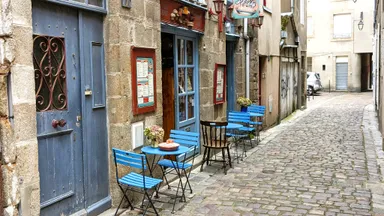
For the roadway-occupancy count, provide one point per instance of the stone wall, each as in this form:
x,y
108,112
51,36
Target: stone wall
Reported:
x,y
124,28
19,161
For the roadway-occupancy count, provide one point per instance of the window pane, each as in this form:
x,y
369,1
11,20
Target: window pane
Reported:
x,y
190,52
190,79
81,1
191,106
180,52
182,109
96,2
181,80
342,26
50,73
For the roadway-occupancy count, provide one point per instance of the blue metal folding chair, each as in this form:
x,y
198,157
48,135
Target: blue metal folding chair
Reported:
x,y
133,181
259,123
243,118
190,140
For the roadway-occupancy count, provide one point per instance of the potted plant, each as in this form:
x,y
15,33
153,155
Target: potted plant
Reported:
x,y
155,135
284,23
244,103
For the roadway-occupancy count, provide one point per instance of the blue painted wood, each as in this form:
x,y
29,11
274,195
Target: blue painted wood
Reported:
x,y
73,160
95,142
60,150
83,6
157,151
231,87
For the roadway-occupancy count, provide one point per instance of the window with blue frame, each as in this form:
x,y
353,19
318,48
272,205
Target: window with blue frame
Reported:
x,y
95,5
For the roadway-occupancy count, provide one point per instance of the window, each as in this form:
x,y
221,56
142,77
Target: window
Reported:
x,y
342,26
309,63
302,14
324,67
309,26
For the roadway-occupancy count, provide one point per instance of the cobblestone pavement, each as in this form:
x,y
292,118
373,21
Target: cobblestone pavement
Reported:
x,y
314,164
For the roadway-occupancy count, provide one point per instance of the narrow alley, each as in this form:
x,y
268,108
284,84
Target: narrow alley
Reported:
x,y
316,164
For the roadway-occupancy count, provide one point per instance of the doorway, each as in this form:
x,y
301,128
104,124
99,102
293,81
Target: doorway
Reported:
x,y
342,73
180,82
68,57
231,90
366,72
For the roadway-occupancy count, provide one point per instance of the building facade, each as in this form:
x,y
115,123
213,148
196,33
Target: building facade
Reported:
x,y
78,78
345,62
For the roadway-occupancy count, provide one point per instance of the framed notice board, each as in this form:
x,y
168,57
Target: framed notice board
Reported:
x,y
143,63
219,84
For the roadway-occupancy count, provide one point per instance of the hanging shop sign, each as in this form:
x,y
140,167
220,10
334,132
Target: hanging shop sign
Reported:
x,y
175,13
143,61
219,81
245,9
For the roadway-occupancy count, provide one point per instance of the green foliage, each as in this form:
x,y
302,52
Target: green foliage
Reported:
x,y
284,22
245,102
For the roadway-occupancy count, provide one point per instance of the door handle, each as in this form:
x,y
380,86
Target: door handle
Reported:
x,y
60,123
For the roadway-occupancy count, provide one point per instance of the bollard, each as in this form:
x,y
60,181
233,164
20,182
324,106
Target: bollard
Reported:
x,y
329,86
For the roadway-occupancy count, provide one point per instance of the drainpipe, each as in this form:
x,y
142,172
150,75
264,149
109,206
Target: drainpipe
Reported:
x,y
292,6
246,38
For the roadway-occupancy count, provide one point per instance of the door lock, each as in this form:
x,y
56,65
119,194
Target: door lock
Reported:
x,y
88,92
60,123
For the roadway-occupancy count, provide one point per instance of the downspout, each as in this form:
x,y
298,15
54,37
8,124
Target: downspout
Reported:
x,y
246,38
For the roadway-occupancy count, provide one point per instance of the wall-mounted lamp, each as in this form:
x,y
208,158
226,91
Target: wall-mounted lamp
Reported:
x,y
354,1
360,25
258,22
219,5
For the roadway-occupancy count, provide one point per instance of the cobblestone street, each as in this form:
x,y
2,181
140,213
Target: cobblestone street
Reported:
x,y
314,165
322,161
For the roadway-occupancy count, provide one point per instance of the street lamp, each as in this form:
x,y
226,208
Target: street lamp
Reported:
x,y
360,25
219,4
354,1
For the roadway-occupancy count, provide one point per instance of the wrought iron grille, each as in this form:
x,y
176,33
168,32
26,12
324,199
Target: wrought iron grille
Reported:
x,y
50,73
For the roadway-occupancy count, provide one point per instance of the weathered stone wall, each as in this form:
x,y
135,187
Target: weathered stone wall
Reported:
x,y
214,52
124,28
18,141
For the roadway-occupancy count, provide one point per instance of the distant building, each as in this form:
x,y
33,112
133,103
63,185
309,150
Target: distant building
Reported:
x,y
337,48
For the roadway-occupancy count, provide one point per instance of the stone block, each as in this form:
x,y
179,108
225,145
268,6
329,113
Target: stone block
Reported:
x,y
120,136
3,96
22,45
206,96
206,78
125,59
10,185
6,51
143,36
30,199
11,211
114,85
6,18
112,30
126,26
25,122
206,113
23,86
152,12
27,162
22,13
8,149
120,108
113,58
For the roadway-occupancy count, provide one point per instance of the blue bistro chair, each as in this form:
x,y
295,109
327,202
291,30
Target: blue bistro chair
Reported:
x,y
259,123
243,118
188,139
133,181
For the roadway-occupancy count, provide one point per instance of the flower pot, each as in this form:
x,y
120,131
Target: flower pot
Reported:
x,y
244,109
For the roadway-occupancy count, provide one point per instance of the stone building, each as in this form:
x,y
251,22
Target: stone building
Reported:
x,y
73,86
344,63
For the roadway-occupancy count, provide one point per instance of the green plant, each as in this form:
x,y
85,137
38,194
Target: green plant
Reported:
x,y
244,102
284,22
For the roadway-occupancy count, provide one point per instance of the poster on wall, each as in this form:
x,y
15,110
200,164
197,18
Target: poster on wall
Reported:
x,y
143,62
245,9
219,80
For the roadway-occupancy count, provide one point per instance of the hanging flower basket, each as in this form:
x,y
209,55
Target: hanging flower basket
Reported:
x,y
155,135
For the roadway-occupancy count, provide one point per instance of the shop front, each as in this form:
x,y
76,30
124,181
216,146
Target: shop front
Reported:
x,y
182,26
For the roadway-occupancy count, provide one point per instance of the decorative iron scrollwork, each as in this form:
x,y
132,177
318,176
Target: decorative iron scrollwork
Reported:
x,y
50,73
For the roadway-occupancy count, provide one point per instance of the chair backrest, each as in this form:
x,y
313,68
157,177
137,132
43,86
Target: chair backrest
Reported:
x,y
239,117
256,109
214,133
129,159
188,139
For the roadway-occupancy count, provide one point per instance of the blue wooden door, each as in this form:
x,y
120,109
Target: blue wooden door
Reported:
x,y
57,80
70,99
231,94
186,84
